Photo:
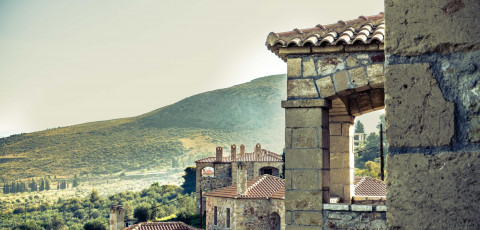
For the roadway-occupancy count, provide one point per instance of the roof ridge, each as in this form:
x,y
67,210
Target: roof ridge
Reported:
x,y
256,183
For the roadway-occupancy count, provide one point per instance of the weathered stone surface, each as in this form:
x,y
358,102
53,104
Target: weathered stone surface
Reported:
x,y
340,176
308,218
294,67
303,200
309,68
418,27
307,103
418,113
361,208
353,220
339,160
358,77
330,65
434,190
339,144
335,129
341,81
305,138
325,86
304,117
303,158
362,56
375,74
351,61
307,179
337,207
288,137
304,88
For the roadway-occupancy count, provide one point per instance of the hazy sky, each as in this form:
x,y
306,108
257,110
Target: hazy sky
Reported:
x,y
70,62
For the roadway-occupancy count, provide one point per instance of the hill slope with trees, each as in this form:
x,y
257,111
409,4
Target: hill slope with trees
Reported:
x,y
180,133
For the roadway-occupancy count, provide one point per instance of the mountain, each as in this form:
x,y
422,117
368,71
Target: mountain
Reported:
x,y
247,114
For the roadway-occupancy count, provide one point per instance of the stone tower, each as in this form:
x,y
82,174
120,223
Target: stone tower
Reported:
x,y
117,217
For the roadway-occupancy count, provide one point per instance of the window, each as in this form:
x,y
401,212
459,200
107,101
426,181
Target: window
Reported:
x,y
267,171
228,218
215,215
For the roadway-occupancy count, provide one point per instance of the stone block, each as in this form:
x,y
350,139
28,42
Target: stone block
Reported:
x,y
339,160
364,102
361,208
340,176
336,207
336,190
351,61
328,49
304,158
307,179
288,179
341,81
433,190
288,217
419,27
361,48
329,65
305,138
335,129
288,137
303,88
377,97
376,75
294,50
294,67
358,77
306,103
346,129
342,119
325,87
308,218
303,200
309,68
339,144
304,117
363,56
418,113
302,227
381,208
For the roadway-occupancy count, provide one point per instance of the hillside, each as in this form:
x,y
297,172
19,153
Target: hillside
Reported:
x,y
191,128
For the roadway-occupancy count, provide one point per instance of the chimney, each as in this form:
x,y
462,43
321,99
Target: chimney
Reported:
x,y
219,154
258,150
241,179
242,150
117,217
233,152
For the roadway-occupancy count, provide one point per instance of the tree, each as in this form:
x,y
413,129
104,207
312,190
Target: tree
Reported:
x,y
142,212
57,223
359,128
190,179
94,196
42,185
372,169
75,181
47,184
30,225
96,224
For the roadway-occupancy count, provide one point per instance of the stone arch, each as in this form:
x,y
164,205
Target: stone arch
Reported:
x,y
275,221
269,170
208,171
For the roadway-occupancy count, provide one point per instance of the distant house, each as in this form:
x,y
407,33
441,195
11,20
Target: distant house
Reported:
x,y
224,168
369,190
249,204
161,226
358,139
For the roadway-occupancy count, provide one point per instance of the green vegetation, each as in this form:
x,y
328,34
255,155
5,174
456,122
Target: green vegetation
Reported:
x,y
367,155
359,128
92,211
175,135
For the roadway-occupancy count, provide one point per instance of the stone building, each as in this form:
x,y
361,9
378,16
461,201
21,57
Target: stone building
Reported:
x,y
224,168
161,226
257,203
118,218
430,91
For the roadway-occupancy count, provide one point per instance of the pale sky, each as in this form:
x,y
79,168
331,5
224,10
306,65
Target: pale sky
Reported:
x,y
70,62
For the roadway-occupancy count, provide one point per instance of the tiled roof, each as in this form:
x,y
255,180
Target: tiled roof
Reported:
x,y
368,186
265,186
265,156
161,226
361,31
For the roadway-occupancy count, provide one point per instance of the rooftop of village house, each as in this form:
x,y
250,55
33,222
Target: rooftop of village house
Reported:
x,y
262,187
263,156
161,226
343,36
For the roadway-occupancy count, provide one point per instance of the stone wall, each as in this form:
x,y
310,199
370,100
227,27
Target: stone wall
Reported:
x,y
432,95
344,216
248,214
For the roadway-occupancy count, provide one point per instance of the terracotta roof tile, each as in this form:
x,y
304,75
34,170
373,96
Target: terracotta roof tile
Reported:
x,y
265,156
265,186
361,31
161,226
368,186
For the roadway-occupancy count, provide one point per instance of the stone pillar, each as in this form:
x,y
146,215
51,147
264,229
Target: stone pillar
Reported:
x,y
233,153
341,157
307,162
432,103
219,154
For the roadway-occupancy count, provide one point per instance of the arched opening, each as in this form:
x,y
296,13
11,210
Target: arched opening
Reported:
x,y
274,221
208,172
269,170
